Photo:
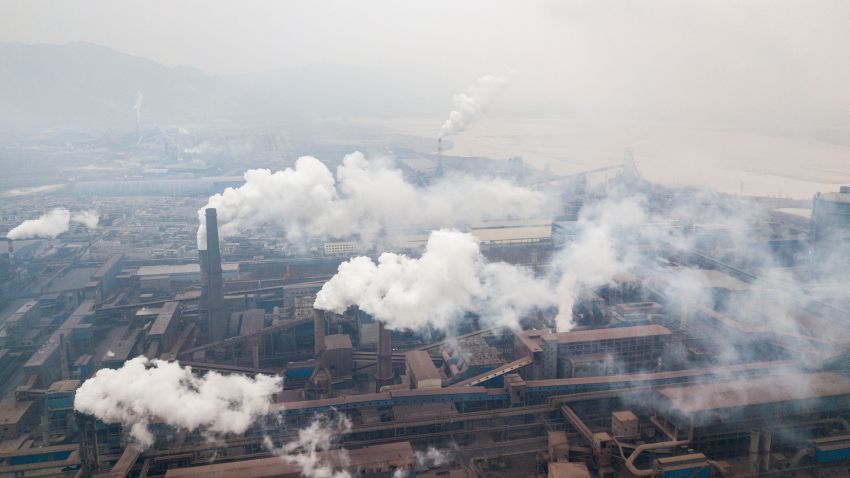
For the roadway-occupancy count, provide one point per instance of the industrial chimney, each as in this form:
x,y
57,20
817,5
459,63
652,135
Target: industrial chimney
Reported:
x,y
204,302
217,324
384,373
11,252
319,331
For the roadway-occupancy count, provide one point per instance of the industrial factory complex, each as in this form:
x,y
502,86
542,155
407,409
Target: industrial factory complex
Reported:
x,y
645,383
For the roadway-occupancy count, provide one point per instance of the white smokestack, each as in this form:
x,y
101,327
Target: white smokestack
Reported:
x,y
146,391
137,107
306,450
470,106
450,279
369,199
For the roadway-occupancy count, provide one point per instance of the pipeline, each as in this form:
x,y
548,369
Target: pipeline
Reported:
x,y
630,462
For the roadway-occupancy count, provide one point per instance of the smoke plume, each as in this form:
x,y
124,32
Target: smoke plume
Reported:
x,y
155,391
470,106
451,278
432,457
311,451
369,199
137,107
597,254
53,223
88,218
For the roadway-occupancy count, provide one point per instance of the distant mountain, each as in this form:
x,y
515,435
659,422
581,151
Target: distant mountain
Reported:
x,y
82,85
85,85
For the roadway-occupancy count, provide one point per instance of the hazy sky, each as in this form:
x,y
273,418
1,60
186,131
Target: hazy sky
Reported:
x,y
712,60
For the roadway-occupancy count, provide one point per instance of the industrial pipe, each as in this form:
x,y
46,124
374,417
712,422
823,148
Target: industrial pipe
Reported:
x,y
630,462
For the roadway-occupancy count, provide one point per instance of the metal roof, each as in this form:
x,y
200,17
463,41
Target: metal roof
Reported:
x,y
421,365
753,391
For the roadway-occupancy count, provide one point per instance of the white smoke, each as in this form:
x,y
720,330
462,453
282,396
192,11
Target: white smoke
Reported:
x,y
369,199
137,107
88,218
53,223
432,457
155,391
594,258
204,148
18,192
470,106
310,451
450,279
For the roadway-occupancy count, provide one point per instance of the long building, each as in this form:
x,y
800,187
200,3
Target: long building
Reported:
x,y
559,354
375,461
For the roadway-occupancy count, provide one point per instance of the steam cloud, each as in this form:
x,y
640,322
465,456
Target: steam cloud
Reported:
x,y
431,457
470,106
450,279
366,198
53,223
595,257
145,391
308,451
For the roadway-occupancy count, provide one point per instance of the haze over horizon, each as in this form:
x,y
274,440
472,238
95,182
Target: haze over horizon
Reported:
x,y
704,62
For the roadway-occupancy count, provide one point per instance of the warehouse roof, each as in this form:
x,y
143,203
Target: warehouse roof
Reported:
x,y
499,235
421,365
754,391
568,470
337,341
180,269
164,318
366,457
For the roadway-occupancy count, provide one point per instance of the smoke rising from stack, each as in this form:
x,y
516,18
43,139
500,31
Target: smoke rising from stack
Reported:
x,y
53,223
366,198
595,257
306,450
451,278
154,391
472,105
137,107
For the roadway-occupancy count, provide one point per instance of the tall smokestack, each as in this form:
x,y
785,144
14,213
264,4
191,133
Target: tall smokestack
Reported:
x,y
319,330
204,302
11,251
215,298
384,373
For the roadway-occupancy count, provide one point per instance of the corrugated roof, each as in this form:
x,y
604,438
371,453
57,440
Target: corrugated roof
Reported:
x,y
512,234
164,318
614,333
421,365
179,269
568,470
337,341
366,457
751,391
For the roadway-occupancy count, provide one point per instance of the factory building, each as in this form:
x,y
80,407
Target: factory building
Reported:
x,y
830,227
16,416
50,362
377,461
336,354
569,354
58,407
163,330
104,280
421,371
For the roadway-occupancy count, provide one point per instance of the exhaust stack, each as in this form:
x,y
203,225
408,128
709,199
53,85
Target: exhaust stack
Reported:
x,y
384,373
217,324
